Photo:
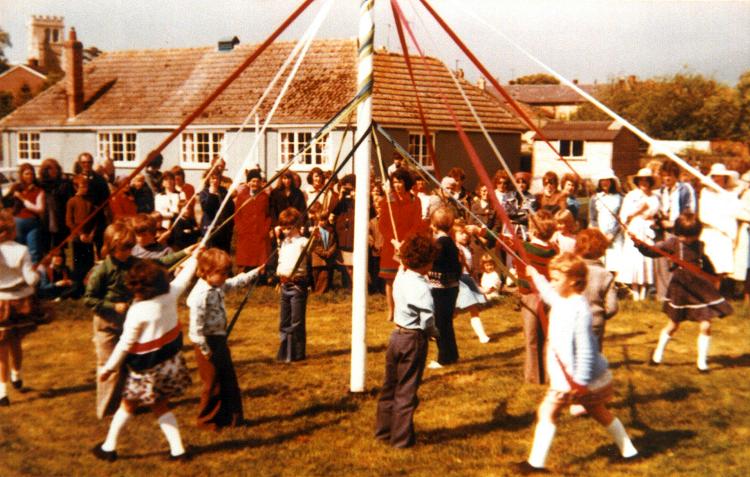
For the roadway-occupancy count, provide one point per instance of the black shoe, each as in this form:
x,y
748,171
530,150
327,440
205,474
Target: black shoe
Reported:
x,y
524,468
186,456
5,402
651,362
704,371
101,454
17,384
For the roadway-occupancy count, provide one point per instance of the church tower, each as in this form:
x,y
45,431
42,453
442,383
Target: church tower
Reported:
x,y
45,42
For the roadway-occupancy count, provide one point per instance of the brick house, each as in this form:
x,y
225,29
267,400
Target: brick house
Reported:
x,y
123,104
588,146
20,81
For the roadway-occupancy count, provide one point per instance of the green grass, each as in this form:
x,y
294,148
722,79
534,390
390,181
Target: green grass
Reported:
x,y
475,418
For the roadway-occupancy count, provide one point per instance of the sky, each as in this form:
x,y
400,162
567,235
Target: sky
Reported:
x,y
588,40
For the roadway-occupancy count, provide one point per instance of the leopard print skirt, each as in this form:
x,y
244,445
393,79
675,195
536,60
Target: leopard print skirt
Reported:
x,y
167,379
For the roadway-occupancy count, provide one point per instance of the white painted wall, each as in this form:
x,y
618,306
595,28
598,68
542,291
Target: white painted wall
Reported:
x,y
596,155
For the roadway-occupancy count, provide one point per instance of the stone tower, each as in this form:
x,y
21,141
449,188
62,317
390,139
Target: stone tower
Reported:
x,y
45,42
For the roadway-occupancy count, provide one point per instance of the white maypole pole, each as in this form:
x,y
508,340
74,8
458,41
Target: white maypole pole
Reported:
x,y
362,198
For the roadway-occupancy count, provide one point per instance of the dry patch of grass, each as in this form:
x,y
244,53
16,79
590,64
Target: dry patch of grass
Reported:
x,y
475,418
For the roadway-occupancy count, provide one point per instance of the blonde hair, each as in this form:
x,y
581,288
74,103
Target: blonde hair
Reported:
x,y
442,218
565,218
574,269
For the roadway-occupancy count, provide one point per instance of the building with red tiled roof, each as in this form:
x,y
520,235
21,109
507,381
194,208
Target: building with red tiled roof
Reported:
x,y
129,101
589,146
556,101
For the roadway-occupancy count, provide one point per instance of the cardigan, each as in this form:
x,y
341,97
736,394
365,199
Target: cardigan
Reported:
x,y
17,274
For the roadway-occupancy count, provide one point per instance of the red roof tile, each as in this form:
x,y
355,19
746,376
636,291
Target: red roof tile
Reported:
x,y
540,94
582,130
161,87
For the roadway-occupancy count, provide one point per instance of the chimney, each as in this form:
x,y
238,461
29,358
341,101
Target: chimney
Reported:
x,y
74,74
459,73
575,81
482,83
227,44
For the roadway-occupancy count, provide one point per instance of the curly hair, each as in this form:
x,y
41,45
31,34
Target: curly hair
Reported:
x,y
290,217
542,224
591,243
404,176
147,279
417,251
688,225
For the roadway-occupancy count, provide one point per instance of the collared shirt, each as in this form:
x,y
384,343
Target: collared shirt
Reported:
x,y
208,316
413,307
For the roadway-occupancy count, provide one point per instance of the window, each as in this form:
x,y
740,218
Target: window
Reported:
x,y
293,143
28,146
419,151
117,146
198,148
573,149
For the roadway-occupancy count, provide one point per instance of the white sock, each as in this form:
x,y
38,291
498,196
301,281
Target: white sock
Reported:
x,y
643,293
168,424
15,375
476,325
119,420
3,390
617,431
703,343
543,435
659,351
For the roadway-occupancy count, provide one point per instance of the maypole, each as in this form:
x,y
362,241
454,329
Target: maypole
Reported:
x,y
362,199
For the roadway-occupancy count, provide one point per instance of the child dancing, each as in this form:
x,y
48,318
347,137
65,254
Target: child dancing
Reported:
x,y
578,372
150,346
221,402
470,297
17,280
407,348
689,297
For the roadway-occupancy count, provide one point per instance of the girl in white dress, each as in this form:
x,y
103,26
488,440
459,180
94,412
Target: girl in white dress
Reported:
x,y
470,297
639,209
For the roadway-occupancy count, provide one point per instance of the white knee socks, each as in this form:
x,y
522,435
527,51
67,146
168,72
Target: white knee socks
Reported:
x,y
119,420
659,351
476,325
15,375
617,431
168,424
703,343
3,390
543,435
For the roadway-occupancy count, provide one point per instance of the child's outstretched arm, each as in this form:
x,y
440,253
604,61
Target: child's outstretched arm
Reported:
x,y
546,292
243,278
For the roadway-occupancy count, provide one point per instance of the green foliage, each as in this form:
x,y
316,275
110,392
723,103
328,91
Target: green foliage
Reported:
x,y
537,78
6,103
4,41
685,106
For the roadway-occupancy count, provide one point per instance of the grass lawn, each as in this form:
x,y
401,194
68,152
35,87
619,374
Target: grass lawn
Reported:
x,y
475,418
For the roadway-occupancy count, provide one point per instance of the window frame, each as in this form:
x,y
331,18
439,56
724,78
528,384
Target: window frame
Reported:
x,y
101,155
214,147
571,149
423,157
322,149
30,141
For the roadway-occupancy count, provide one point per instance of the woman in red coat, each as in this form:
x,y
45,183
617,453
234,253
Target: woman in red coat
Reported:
x,y
407,216
252,223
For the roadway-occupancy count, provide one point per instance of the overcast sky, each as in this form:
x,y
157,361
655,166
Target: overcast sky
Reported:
x,y
584,39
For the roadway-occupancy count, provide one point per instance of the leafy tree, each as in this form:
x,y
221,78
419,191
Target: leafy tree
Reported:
x,y
4,41
537,78
742,125
684,106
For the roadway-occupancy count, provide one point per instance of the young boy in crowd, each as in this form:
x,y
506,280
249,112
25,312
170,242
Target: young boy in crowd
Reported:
x,y
292,272
323,249
56,281
578,372
78,208
407,348
221,401
146,245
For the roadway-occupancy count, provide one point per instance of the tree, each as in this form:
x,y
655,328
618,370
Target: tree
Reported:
x,y
685,106
4,41
742,124
537,78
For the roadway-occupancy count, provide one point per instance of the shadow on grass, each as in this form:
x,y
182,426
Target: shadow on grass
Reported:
x,y
725,361
343,405
511,353
501,420
615,337
325,354
452,371
504,334
65,391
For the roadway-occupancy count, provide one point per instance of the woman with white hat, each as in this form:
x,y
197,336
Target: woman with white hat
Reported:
x,y
742,246
604,208
638,212
718,212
